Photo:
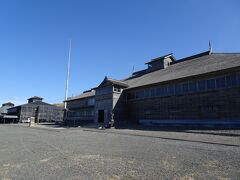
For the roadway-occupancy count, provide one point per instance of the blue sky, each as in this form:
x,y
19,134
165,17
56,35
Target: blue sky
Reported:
x,y
108,38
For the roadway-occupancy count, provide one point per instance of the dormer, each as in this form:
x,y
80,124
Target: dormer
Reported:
x,y
34,99
160,62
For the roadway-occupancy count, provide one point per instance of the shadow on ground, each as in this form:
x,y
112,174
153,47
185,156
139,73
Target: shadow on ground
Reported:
x,y
217,130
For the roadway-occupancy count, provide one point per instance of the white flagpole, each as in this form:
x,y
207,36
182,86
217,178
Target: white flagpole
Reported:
x,y
210,46
68,71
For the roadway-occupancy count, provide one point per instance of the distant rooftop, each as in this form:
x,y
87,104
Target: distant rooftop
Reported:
x,y
8,104
34,98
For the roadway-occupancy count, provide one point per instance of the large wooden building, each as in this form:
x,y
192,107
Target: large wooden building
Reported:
x,y
37,110
203,88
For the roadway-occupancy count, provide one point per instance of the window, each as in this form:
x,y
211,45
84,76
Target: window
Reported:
x,y
220,82
147,93
185,87
91,101
164,91
231,80
158,92
171,90
117,89
153,92
211,84
238,79
178,88
139,94
105,90
193,86
201,85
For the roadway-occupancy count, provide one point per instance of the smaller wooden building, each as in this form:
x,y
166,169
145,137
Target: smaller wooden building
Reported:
x,y
80,109
37,109
4,118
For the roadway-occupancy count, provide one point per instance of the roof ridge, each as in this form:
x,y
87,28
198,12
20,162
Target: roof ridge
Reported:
x,y
194,56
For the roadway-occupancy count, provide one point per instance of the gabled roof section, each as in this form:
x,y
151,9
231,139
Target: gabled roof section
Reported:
x,y
161,58
111,81
85,94
202,63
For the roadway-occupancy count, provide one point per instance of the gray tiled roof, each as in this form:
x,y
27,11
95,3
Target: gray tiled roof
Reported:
x,y
118,82
112,81
83,95
8,104
36,103
188,67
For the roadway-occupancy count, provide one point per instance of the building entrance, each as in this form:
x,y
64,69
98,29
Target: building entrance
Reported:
x,y
101,116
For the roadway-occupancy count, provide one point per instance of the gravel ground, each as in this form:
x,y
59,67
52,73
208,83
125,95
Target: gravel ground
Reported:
x,y
31,153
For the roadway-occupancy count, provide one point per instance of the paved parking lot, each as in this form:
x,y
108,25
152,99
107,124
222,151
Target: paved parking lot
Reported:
x,y
35,153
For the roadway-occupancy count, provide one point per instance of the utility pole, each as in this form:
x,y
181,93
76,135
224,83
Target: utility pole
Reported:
x,y
68,71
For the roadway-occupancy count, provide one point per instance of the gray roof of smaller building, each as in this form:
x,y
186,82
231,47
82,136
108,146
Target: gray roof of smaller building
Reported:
x,y
83,95
195,65
36,103
8,104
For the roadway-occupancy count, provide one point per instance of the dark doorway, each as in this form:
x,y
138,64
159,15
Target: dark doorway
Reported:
x,y
36,115
101,116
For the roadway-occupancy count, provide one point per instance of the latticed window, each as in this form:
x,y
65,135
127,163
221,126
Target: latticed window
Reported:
x,y
201,85
231,80
211,84
220,82
139,94
193,86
